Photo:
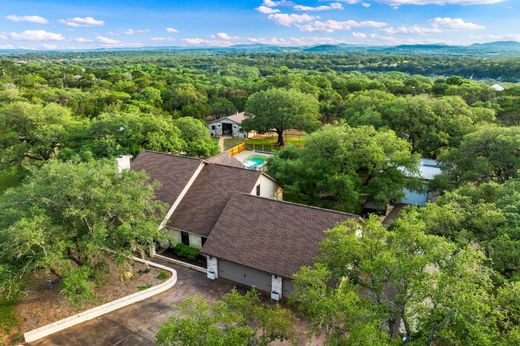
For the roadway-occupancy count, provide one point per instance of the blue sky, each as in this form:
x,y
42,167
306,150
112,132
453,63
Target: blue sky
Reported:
x,y
59,24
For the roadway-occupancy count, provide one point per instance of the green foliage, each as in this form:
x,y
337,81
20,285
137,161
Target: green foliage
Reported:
x,y
491,153
77,286
342,167
8,319
163,276
186,251
430,124
487,214
281,109
196,137
113,134
368,277
144,287
68,214
235,320
31,132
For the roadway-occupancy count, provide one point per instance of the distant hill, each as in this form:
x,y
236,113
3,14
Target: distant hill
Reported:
x,y
507,48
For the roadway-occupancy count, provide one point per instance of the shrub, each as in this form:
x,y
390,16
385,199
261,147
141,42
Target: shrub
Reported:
x,y
78,287
163,276
144,287
186,251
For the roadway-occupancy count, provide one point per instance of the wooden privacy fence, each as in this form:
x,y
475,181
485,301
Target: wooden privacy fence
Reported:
x,y
237,149
266,147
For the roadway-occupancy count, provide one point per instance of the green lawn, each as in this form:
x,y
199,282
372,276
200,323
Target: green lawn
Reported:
x,y
267,143
8,179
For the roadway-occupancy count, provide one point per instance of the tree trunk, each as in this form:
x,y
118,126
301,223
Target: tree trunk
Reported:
x,y
280,138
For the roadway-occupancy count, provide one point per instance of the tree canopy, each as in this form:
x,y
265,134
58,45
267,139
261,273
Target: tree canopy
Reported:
x,y
68,214
235,320
491,153
342,167
369,279
281,109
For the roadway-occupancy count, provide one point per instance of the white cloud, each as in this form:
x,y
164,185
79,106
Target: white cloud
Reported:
x,y
206,42
82,21
454,24
35,35
490,38
83,40
271,3
162,39
267,10
49,46
290,19
365,4
172,30
359,35
332,6
134,31
411,30
332,25
439,2
224,36
30,19
107,41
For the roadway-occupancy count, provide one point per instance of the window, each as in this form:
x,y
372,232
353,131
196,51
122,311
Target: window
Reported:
x,y
258,190
185,238
213,127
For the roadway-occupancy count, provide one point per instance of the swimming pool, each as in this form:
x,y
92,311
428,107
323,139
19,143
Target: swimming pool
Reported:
x,y
255,162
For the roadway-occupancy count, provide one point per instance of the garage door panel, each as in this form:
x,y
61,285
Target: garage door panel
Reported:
x,y
244,275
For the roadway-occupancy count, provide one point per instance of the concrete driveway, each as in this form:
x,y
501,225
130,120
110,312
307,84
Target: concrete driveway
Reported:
x,y
137,324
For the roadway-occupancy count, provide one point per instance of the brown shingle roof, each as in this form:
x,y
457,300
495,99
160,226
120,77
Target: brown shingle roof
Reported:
x,y
202,205
225,159
273,236
237,118
173,172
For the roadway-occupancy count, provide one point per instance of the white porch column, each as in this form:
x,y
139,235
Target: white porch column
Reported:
x,y
212,268
276,287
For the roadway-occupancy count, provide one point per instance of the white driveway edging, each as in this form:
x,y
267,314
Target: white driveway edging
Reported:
x,y
181,263
90,314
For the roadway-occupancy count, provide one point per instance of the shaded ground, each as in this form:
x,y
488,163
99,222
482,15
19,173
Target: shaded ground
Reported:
x,y
138,323
40,305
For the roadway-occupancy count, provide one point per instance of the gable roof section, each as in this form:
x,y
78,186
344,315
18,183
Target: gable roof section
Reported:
x,y
173,172
270,235
201,207
236,118
225,159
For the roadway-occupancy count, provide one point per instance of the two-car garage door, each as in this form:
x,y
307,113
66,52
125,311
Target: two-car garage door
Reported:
x,y
244,275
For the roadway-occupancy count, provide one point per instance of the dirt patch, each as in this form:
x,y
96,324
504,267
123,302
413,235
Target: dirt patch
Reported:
x,y
41,305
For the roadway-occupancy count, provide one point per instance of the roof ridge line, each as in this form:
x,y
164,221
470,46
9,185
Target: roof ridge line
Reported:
x,y
174,155
295,204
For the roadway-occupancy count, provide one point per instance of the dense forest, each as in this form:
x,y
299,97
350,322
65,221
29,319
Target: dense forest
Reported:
x,y
368,118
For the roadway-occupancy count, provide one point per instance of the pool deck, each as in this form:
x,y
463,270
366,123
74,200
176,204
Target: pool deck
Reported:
x,y
246,153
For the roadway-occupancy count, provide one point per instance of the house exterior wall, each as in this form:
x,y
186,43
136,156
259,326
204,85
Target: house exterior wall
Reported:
x,y
176,237
268,188
215,128
251,277
195,241
286,287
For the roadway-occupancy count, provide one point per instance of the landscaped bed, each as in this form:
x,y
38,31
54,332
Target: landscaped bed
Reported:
x,y
40,305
